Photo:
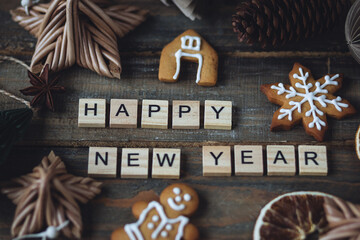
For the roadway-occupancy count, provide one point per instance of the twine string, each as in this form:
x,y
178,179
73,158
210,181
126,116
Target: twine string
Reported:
x,y
51,232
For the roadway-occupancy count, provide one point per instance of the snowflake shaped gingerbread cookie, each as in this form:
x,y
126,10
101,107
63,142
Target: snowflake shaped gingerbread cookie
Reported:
x,y
308,100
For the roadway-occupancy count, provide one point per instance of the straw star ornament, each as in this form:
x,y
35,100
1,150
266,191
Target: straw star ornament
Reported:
x,y
82,32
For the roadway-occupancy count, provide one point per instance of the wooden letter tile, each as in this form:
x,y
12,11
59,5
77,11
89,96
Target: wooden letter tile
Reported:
x,y
218,115
186,115
216,161
281,160
92,113
123,113
155,114
312,160
249,160
102,162
134,163
166,163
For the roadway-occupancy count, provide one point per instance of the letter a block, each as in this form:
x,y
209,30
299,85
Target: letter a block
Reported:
x,y
249,160
134,163
155,114
216,161
92,113
218,115
123,113
281,160
166,163
312,160
186,115
102,162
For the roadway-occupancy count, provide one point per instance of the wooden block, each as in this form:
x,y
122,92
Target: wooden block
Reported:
x,y
218,115
166,163
123,113
134,163
92,113
249,160
312,160
216,161
281,160
186,115
155,114
102,162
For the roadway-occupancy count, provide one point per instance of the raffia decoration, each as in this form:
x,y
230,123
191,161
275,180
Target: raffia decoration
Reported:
x,y
343,218
48,197
84,32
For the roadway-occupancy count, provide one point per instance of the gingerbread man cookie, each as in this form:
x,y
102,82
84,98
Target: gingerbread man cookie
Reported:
x,y
307,100
189,46
167,219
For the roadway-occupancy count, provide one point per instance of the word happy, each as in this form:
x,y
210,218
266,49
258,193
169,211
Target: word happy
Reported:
x,y
155,114
216,161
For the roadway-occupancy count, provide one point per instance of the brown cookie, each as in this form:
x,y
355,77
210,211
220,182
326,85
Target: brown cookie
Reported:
x,y
307,100
167,219
189,46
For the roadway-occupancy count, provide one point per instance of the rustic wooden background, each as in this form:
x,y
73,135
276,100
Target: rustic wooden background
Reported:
x,y
229,205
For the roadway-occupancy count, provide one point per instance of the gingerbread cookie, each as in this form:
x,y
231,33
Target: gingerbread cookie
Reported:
x,y
189,46
357,142
307,100
167,219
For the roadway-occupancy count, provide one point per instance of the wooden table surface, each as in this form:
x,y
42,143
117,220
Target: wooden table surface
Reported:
x,y
229,205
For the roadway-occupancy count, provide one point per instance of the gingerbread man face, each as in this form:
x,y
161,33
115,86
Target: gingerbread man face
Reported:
x,y
179,199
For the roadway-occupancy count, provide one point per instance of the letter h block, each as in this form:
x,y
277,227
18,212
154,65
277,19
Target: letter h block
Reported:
x,y
92,113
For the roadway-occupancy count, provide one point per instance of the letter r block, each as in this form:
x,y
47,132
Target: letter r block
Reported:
x,y
92,113
155,114
218,115
216,161
102,162
312,160
166,163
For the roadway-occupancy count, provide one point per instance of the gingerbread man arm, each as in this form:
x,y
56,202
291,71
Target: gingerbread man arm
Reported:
x,y
191,232
138,207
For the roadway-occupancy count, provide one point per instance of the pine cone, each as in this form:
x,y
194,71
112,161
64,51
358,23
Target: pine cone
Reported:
x,y
275,22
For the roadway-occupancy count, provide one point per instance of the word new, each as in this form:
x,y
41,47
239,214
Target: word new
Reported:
x,y
216,161
155,114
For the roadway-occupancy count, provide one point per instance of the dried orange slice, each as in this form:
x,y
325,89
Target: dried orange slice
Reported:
x,y
297,215
357,142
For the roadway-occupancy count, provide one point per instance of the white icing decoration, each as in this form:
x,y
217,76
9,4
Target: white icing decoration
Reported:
x,y
155,218
174,206
178,199
189,46
164,234
309,97
168,227
133,229
187,197
177,190
150,225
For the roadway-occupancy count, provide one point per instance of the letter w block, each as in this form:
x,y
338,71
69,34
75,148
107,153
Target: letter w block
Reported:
x,y
166,163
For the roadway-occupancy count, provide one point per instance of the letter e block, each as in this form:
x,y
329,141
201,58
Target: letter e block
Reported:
x,y
155,114
218,115
123,113
312,160
134,163
166,163
92,113
102,162
249,160
281,160
216,161
186,115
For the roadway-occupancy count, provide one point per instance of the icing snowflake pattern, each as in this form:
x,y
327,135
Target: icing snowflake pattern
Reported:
x,y
309,96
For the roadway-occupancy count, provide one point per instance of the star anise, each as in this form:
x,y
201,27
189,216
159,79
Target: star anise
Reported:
x,y
43,88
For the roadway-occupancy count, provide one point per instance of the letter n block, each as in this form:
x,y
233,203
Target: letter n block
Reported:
x,y
134,163
102,162
281,160
218,115
92,113
123,113
186,115
155,114
312,160
249,160
166,163
216,161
